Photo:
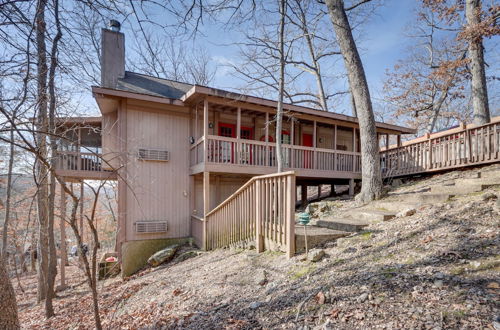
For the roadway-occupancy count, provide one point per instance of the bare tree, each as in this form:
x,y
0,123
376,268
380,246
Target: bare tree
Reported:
x,y
8,305
281,89
480,105
370,158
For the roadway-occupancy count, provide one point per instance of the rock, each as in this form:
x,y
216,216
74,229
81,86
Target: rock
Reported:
x,y
362,298
316,255
255,304
163,256
262,278
187,255
488,196
438,284
396,183
350,250
406,213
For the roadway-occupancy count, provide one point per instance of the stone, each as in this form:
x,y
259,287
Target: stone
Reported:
x,y
316,255
362,298
350,250
162,256
488,196
438,284
406,213
396,183
255,304
262,278
187,255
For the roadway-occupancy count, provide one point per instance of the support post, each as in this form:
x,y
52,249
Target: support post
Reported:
x,y
266,130
238,136
292,142
206,206
205,130
387,142
62,246
351,187
335,147
303,194
259,241
290,216
315,158
354,149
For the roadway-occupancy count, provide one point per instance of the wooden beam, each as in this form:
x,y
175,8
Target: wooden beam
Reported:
x,y
290,216
82,194
238,135
206,205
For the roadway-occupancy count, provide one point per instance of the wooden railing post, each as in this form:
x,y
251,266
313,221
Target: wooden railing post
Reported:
x,y
259,243
290,215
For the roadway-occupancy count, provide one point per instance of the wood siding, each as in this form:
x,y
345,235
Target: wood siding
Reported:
x,y
157,191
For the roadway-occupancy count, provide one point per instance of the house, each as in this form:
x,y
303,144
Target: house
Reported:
x,y
179,150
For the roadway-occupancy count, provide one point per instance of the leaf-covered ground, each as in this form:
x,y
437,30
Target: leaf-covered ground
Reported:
x,y
436,269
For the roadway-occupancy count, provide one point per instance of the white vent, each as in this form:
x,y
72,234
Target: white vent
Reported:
x,y
154,154
146,227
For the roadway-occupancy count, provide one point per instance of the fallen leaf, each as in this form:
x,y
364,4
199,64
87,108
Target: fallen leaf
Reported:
x,y
177,292
427,239
320,298
335,312
493,285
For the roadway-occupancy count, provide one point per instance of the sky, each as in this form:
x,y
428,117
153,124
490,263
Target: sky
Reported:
x,y
382,43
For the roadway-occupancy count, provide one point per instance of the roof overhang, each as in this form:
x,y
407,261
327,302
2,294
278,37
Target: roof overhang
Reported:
x,y
197,93
108,98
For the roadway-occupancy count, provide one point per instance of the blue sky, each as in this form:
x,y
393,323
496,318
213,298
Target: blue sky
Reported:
x,y
381,44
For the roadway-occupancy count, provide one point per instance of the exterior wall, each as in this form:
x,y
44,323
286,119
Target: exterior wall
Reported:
x,y
110,148
157,190
220,188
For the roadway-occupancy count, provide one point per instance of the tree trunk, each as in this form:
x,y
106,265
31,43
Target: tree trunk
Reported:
x,y
279,111
8,305
370,158
476,57
41,169
9,195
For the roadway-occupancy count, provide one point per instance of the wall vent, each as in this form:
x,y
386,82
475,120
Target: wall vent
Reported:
x,y
148,227
153,154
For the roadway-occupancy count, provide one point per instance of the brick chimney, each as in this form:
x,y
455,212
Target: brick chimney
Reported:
x,y
112,55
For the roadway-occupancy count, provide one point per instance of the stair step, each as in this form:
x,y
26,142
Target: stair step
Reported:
x,y
371,215
430,197
489,174
458,190
316,236
395,205
342,224
487,182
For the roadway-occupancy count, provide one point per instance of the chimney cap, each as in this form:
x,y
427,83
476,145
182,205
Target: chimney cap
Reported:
x,y
114,25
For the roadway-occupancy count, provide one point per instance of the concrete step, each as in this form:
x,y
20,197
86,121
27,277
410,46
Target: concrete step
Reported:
x,y
458,190
371,215
489,174
394,205
486,182
342,224
426,198
316,236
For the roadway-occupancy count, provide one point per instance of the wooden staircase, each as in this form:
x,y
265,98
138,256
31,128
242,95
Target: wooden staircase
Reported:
x,y
263,210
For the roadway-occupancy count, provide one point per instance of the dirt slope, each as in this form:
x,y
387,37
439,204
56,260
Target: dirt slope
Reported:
x,y
436,269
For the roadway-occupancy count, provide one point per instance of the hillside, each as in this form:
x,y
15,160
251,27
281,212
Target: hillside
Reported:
x,y
435,269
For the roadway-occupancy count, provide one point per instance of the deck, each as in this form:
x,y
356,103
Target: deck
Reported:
x,y
232,155
82,166
466,145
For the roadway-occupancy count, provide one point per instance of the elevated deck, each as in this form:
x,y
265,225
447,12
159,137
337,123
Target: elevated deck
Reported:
x,y
82,166
466,145
232,155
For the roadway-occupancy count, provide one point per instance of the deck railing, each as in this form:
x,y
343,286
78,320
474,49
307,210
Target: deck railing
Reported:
x,y
232,151
454,148
261,210
79,161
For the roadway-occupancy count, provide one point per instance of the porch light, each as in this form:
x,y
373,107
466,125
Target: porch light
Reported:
x,y
210,125
191,140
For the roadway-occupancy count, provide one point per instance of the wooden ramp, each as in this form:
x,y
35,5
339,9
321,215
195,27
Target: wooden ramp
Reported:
x,y
467,145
